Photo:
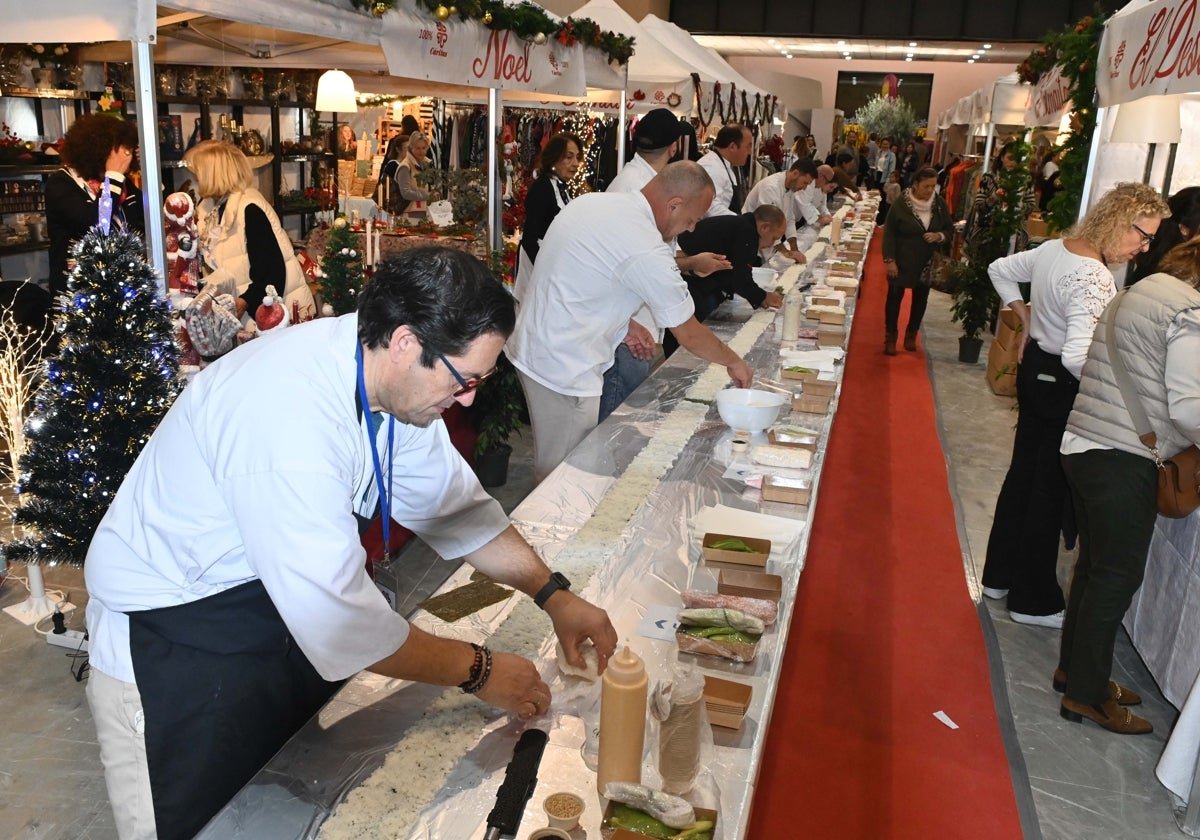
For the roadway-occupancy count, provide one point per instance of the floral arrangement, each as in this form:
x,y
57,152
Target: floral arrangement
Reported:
x,y
525,19
14,150
1075,49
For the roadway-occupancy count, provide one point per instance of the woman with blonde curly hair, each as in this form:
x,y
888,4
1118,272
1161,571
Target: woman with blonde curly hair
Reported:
x,y
1070,284
244,247
1112,475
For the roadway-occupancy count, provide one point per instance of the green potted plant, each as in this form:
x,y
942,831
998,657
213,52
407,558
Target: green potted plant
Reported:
x,y
975,301
497,411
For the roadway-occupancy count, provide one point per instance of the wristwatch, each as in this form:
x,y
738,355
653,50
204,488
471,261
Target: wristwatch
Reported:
x,y
557,581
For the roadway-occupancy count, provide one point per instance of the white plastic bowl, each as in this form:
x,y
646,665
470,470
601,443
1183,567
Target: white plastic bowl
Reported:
x,y
749,409
765,277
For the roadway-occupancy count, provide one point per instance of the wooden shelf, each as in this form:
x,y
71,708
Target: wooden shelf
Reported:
x,y
29,169
26,248
44,93
306,157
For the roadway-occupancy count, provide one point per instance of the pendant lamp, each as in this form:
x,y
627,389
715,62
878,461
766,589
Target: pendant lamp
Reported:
x,y
335,92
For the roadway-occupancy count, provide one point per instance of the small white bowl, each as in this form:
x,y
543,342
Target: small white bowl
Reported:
x,y
749,409
567,815
549,834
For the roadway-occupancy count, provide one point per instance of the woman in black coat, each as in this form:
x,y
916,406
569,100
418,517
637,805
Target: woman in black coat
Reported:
x,y
95,147
547,195
917,225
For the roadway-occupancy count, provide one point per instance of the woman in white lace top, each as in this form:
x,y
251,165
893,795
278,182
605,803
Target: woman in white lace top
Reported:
x,y
1070,284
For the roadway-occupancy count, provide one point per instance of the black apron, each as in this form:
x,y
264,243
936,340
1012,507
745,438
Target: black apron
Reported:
x,y
223,687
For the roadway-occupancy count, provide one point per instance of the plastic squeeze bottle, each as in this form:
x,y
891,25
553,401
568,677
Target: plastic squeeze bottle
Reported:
x,y
622,720
792,306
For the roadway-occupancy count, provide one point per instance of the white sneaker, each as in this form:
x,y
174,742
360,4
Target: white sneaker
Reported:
x,y
1053,621
995,594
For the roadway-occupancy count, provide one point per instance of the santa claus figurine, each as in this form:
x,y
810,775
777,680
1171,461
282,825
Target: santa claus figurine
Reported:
x,y
183,245
271,314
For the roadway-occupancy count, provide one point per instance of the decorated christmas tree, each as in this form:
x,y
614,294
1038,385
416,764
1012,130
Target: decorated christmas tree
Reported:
x,y
115,376
341,268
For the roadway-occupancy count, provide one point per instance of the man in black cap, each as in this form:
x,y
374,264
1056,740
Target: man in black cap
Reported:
x,y
654,140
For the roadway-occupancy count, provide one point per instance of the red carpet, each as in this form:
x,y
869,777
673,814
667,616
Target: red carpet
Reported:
x,y
884,632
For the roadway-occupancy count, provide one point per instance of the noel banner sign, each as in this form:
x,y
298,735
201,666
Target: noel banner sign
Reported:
x,y
1154,49
461,52
1049,100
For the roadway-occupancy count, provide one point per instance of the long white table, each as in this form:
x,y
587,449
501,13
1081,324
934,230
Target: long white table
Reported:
x,y
350,737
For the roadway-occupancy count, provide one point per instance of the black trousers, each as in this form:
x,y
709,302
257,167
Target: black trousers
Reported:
x,y
916,311
1022,552
1114,497
223,687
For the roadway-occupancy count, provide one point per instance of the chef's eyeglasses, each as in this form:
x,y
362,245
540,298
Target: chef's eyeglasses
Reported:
x,y
466,385
1147,238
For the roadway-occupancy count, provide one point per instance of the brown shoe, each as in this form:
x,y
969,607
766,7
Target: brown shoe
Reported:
x,y
889,344
1124,696
910,341
1108,715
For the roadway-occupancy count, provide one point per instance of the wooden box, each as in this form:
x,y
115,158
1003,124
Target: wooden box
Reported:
x,y
805,374
834,318
762,550
750,584
830,336
726,702
793,491
609,833
807,404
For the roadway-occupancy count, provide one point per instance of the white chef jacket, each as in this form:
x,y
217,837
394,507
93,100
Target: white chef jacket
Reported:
x,y
602,258
725,178
256,472
811,204
632,177
773,190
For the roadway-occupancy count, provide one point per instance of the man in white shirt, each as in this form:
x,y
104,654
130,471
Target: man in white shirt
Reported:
x,y
730,150
229,594
655,138
604,256
811,206
779,190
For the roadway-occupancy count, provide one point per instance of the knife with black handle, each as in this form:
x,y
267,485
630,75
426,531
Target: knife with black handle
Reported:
x,y
520,778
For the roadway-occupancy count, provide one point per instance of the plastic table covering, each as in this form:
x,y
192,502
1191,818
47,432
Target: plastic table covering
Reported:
x,y
348,739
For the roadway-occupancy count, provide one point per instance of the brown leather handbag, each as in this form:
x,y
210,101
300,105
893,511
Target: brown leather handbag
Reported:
x,y
1179,475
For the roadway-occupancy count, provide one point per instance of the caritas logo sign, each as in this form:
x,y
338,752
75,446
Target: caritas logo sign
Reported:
x,y
436,38
1153,50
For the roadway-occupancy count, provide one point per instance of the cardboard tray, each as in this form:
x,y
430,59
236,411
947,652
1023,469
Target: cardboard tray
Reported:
x,y
609,833
819,388
805,404
834,318
726,702
793,491
808,442
807,375
750,584
831,336
741,558
737,651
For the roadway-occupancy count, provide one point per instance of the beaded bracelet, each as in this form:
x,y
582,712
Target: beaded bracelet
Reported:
x,y
481,669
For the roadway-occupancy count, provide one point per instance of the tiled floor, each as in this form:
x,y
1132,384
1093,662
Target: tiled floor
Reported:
x,y
1083,782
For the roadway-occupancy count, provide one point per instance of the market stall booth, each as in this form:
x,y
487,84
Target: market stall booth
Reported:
x,y
1148,128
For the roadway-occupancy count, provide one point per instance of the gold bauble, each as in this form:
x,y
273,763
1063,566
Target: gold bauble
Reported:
x,y
441,13
379,9
454,10
539,38
340,222
487,18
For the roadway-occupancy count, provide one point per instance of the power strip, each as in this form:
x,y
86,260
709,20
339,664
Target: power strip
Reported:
x,y
73,640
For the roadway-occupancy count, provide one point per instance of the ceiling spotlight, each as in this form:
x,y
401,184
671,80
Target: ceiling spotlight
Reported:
x,y
912,43
909,58
841,43
789,55
771,41
987,46
970,61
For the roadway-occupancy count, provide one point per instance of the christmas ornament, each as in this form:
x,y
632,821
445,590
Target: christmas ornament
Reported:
x,y
340,222
454,10
673,100
487,18
441,13
379,9
271,313
539,38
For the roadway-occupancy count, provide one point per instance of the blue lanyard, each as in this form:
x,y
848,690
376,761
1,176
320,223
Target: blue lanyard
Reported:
x,y
385,496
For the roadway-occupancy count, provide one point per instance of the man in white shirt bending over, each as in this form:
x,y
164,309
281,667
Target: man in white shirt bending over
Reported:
x,y
779,190
812,207
604,256
730,150
229,590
